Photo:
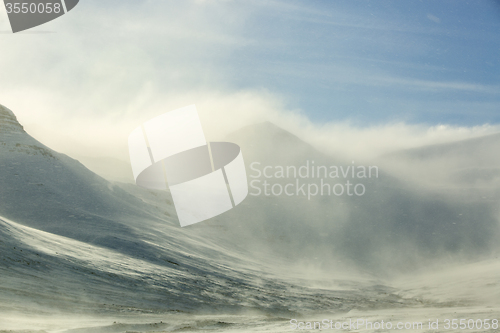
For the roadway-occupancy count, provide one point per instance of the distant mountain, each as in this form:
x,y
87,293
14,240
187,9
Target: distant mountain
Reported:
x,y
471,164
268,142
394,225
475,151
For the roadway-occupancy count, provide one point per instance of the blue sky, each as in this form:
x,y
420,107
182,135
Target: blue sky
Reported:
x,y
377,61
369,62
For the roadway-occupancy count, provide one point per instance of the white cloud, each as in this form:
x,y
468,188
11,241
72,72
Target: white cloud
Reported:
x,y
221,113
433,18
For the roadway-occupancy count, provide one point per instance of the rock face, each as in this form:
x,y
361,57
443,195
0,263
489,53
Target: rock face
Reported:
x,y
8,121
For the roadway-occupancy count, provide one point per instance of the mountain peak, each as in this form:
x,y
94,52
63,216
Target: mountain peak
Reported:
x,y
269,143
265,132
8,121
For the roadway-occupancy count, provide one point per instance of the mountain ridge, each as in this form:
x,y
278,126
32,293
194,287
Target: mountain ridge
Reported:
x,y
8,121
437,149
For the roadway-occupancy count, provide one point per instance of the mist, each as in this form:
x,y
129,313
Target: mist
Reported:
x,y
397,102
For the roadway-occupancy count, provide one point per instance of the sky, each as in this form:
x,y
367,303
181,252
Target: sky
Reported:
x,y
381,75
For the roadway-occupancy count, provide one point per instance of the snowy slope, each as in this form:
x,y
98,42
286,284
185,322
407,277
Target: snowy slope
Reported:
x,y
55,283
46,272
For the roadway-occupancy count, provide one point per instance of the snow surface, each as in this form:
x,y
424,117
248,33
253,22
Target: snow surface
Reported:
x,y
52,282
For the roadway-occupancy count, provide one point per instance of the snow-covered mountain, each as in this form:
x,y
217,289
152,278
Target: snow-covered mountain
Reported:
x,y
394,226
74,245
471,164
72,241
